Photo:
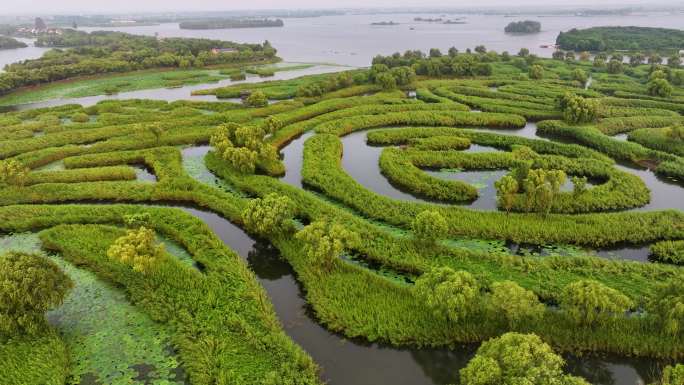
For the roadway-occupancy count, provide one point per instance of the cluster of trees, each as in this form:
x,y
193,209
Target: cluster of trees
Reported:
x,y
231,23
540,188
577,109
10,43
107,52
244,146
330,84
429,227
388,79
527,26
453,64
622,38
30,285
256,99
138,249
658,85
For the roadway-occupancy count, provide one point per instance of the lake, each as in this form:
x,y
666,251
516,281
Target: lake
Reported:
x,y
352,40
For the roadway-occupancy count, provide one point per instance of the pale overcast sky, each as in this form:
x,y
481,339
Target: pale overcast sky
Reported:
x,y
134,6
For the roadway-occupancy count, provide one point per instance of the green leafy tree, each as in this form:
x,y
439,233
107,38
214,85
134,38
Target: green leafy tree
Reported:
x,y
659,87
515,303
614,67
580,75
577,109
481,49
541,188
386,81
452,295
584,56
558,55
30,285
667,304
324,242
13,173
435,52
138,249
269,215
588,302
256,99
570,57
507,189
242,159
516,359
429,226
536,72
524,52
273,124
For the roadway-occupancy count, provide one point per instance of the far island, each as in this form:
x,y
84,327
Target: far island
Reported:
x,y
662,40
385,23
231,23
527,26
10,43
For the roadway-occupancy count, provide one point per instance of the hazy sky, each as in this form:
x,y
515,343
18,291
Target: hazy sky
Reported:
x,y
133,6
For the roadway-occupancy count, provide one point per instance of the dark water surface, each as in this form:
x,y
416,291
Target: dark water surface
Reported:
x,y
355,362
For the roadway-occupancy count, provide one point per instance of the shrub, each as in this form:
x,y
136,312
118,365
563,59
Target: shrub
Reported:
x,y
669,251
13,173
514,359
80,117
589,302
268,216
429,226
138,249
30,285
137,220
450,294
256,99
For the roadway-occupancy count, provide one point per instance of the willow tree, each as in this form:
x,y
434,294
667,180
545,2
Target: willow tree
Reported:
x,y
452,295
429,226
515,359
668,306
516,304
324,242
138,249
541,188
268,215
507,189
589,302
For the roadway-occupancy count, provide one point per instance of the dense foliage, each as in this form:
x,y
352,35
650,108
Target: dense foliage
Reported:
x,y
622,38
527,26
110,52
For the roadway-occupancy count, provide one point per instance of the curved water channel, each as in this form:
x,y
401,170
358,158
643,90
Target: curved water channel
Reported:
x,y
360,161
353,362
179,93
357,362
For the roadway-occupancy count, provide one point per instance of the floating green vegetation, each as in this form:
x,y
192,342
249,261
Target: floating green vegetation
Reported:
x,y
108,339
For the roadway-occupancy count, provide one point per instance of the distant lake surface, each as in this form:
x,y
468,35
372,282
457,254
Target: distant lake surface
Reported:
x,y
352,40
9,56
